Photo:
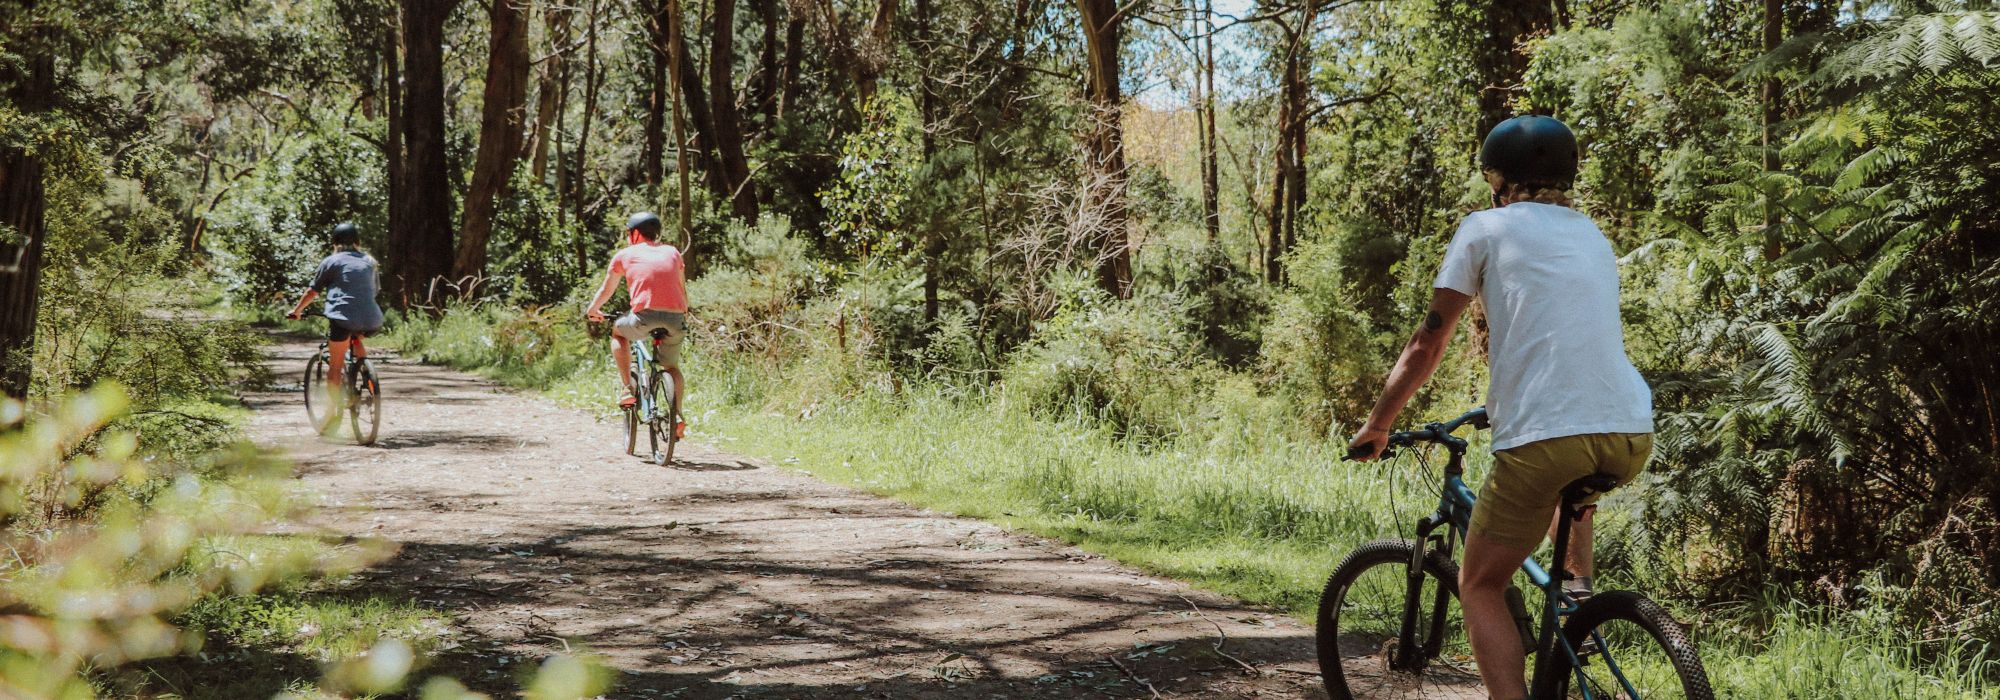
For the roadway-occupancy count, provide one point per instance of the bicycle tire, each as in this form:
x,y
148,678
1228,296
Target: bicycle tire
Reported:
x,y
653,419
1329,637
315,383
1672,639
365,407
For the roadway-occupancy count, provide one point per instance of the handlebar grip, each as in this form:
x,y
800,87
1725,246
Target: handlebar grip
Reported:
x,y
1355,453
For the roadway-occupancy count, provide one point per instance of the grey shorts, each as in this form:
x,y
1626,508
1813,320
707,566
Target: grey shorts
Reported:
x,y
638,327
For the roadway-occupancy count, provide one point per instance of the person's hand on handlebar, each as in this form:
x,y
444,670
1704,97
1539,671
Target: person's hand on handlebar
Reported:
x,y
1367,445
594,315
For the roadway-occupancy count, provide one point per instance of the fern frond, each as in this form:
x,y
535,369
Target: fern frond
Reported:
x,y
1791,385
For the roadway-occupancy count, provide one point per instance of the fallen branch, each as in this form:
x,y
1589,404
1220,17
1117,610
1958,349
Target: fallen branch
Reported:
x,y
1221,638
1136,679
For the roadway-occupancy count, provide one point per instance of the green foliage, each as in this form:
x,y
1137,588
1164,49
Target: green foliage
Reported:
x,y
864,204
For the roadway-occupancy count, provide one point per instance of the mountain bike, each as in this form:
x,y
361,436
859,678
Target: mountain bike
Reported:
x,y
658,408
363,394
1395,598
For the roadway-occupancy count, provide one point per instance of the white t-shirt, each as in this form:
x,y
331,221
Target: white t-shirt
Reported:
x,y
1556,346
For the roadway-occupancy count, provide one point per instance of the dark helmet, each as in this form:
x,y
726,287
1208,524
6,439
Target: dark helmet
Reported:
x,y
1531,149
346,234
646,222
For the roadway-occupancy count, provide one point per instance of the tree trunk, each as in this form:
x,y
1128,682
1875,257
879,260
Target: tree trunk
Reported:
x,y
423,259
552,94
22,207
677,64
698,114
1288,192
1499,61
927,111
392,142
1104,146
728,129
1774,34
765,82
1211,173
592,78
499,134
652,153
795,42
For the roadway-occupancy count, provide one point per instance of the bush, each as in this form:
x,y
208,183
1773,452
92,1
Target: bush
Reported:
x,y
1133,367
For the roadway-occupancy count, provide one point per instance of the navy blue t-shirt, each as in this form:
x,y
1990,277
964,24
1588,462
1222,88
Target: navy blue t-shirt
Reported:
x,y
347,278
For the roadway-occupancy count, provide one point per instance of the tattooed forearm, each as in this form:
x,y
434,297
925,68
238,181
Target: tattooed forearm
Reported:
x,y
1433,321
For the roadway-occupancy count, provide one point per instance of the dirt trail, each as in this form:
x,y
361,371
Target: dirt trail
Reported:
x,y
724,577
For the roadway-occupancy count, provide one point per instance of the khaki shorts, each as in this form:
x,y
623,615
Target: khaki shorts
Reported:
x,y
638,327
1520,497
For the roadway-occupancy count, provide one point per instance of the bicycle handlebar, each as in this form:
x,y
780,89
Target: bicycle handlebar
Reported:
x,y
1438,433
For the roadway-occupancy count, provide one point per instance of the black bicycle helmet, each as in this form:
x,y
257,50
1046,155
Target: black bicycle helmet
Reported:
x,y
346,234
1531,149
646,222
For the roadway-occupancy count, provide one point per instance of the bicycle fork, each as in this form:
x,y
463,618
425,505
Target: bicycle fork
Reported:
x,y
1412,653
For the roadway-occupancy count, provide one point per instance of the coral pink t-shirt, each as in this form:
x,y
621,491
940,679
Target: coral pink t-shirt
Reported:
x,y
655,276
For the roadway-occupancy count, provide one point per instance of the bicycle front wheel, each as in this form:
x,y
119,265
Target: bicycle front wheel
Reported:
x,y
1629,648
364,410
315,390
1365,649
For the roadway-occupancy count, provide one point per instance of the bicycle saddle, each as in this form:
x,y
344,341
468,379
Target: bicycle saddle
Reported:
x,y
659,334
1588,486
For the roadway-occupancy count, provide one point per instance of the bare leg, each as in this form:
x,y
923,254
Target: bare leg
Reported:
x,y
336,377
1489,625
621,353
1580,561
680,384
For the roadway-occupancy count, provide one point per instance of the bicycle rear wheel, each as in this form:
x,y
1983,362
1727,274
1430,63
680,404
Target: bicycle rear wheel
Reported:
x,y
656,408
1631,650
314,389
364,410
1360,628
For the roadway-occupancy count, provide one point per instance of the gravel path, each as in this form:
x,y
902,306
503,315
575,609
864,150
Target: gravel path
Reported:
x,y
723,577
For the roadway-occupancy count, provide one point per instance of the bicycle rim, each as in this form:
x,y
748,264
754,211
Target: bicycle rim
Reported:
x,y
314,390
1631,650
1359,630
365,413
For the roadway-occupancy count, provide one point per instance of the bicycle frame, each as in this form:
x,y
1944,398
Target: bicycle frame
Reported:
x,y
1454,515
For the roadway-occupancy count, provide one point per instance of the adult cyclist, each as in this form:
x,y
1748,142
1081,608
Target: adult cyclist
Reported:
x,y
657,279
349,279
1565,401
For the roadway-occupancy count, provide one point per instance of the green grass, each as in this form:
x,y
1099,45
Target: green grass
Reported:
x,y
1262,520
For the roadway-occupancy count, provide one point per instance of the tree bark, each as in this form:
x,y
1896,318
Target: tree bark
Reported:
x,y
1774,34
763,90
1104,145
795,42
1499,61
652,152
694,98
1211,173
23,205
592,78
927,111
677,63
742,194
552,94
424,253
1288,192
506,96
